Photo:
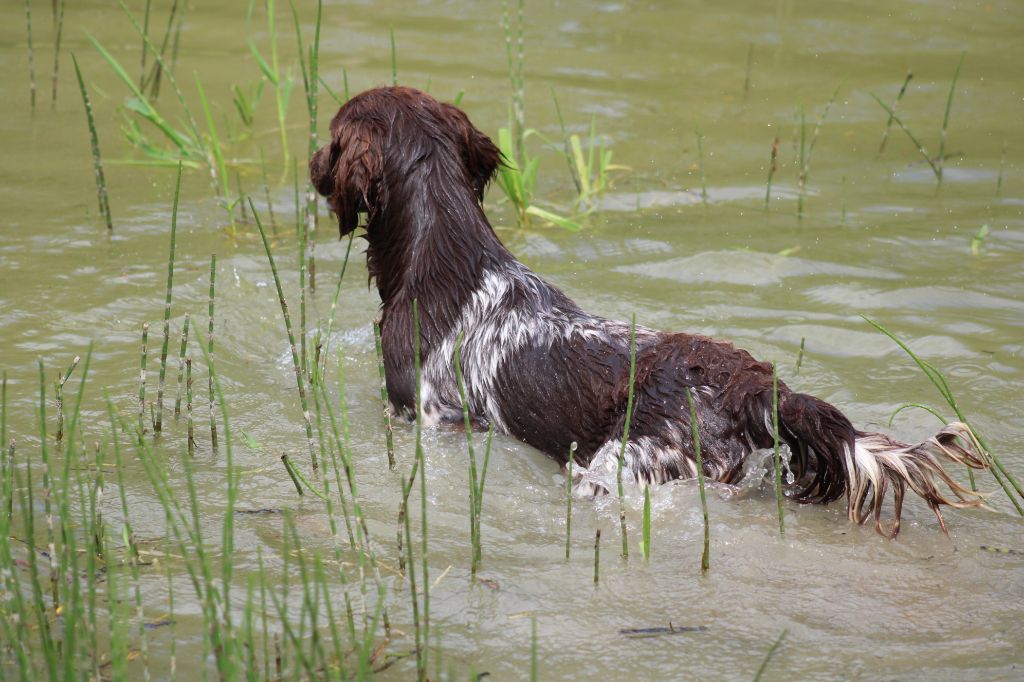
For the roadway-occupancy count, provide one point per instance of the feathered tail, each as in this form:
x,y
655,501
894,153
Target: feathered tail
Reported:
x,y
831,458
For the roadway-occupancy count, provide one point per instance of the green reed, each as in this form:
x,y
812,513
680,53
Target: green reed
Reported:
x,y
142,381
394,57
627,418
209,349
94,144
768,656
158,427
324,342
59,397
191,437
940,382
895,105
31,57
705,557
421,458
384,401
772,167
299,378
272,72
58,8
181,364
805,158
476,483
945,116
775,443
597,557
568,499
1002,167
152,80
800,354
910,135
700,165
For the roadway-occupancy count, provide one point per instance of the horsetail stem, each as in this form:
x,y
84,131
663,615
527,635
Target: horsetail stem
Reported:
x,y
181,365
167,307
625,436
142,381
705,558
209,350
102,196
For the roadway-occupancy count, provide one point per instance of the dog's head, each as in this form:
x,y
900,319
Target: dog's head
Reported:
x,y
380,134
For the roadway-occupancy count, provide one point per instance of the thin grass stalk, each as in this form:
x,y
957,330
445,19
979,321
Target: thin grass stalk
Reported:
x,y
56,53
189,117
768,657
700,164
209,349
142,382
647,523
394,57
1002,167
895,104
805,160
60,397
800,354
411,567
940,383
216,151
28,506
917,145
31,58
303,350
705,558
474,530
945,117
384,400
191,437
480,490
167,306
772,167
181,365
775,440
746,74
142,57
597,556
299,379
568,499
421,457
154,75
334,303
97,162
515,74
625,437
801,180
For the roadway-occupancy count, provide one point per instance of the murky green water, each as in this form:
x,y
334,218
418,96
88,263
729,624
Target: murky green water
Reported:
x,y
878,238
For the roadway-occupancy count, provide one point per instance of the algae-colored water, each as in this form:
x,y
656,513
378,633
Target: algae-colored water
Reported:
x,y
878,237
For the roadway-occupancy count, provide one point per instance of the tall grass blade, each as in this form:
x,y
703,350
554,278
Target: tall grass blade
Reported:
x,y
94,144
945,117
895,104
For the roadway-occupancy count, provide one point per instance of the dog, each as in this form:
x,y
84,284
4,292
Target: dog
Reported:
x,y
539,368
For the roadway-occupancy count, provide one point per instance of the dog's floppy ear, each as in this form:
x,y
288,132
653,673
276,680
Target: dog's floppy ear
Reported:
x,y
347,170
479,154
